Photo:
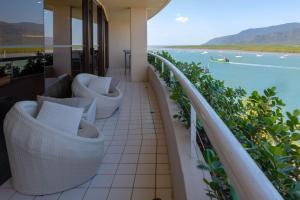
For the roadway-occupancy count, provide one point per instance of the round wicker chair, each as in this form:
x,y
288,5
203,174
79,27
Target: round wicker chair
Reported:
x,y
106,105
44,160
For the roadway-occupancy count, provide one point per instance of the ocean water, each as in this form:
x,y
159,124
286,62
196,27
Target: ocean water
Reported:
x,y
252,71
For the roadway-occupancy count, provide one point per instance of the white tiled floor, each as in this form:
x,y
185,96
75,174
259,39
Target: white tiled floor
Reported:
x,y
135,165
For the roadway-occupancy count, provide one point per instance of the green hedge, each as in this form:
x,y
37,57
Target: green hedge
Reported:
x,y
257,120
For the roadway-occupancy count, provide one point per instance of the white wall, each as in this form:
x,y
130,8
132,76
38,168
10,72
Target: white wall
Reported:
x,y
119,39
138,34
128,30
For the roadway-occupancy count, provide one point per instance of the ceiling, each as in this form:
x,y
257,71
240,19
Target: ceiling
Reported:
x,y
117,8
153,6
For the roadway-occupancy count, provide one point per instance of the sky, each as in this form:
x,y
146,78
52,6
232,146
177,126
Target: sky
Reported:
x,y
194,22
25,11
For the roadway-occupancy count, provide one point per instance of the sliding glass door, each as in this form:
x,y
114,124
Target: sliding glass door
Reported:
x,y
95,37
91,26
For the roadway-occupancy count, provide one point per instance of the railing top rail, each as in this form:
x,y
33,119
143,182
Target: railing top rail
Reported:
x,y
247,178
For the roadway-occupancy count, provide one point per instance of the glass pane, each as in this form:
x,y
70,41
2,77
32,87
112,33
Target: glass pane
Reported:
x,y
95,38
95,26
77,43
21,39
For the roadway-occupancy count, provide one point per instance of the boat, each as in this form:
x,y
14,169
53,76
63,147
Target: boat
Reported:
x,y
220,60
284,56
204,52
238,56
259,55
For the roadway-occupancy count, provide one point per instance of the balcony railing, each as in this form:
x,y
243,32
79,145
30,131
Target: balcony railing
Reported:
x,y
246,177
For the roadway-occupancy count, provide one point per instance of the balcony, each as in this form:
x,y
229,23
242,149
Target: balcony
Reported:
x,y
149,155
136,162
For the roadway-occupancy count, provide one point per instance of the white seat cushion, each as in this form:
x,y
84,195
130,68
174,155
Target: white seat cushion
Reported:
x,y
100,85
61,117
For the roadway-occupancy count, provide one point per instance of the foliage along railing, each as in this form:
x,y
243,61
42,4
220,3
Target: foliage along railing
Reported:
x,y
255,126
14,67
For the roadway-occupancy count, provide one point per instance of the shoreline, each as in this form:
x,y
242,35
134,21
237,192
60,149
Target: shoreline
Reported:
x,y
229,50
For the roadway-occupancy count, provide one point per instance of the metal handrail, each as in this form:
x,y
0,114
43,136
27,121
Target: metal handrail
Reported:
x,y
249,182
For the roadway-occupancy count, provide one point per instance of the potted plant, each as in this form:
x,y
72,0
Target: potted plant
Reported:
x,y
4,77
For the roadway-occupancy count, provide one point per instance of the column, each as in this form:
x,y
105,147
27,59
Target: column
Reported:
x,y
62,39
138,43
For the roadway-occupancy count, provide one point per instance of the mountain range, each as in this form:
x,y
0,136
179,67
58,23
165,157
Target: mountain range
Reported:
x,y
22,33
284,34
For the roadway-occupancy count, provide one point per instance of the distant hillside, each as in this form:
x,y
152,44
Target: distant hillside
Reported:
x,y
285,34
23,33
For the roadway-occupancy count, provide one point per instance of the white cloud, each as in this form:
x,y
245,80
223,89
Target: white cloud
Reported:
x,y
182,19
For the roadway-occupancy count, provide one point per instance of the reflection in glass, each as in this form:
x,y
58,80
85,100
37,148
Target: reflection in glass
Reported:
x,y
77,43
95,38
21,38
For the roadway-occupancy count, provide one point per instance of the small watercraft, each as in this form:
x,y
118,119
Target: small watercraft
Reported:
x,y
238,56
220,60
204,52
259,55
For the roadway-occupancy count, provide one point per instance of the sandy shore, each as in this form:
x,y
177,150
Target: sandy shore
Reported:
x,y
228,50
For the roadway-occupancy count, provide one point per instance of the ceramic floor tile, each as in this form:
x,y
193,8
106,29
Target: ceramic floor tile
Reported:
x,y
162,150
149,136
144,181
148,131
6,193
85,185
163,181
130,158
48,197
162,158
148,149
119,194
73,194
118,142
96,194
143,194
111,158
147,158
132,149
102,181
7,184
134,137
19,196
162,169
123,181
126,169
164,194
115,149
107,168
146,169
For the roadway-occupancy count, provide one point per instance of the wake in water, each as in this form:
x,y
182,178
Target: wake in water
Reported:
x,y
265,66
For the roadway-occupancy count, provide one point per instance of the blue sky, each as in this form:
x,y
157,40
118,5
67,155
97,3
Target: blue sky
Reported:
x,y
186,22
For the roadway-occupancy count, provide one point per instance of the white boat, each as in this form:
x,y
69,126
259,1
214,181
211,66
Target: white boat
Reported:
x,y
204,52
259,55
282,57
238,56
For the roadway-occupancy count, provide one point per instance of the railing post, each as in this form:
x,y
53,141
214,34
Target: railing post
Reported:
x,y
155,59
171,75
162,67
193,133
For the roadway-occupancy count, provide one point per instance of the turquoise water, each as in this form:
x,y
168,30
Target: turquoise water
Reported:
x,y
252,71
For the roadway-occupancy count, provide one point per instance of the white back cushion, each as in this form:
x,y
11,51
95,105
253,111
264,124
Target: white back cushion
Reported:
x,y
61,117
100,85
